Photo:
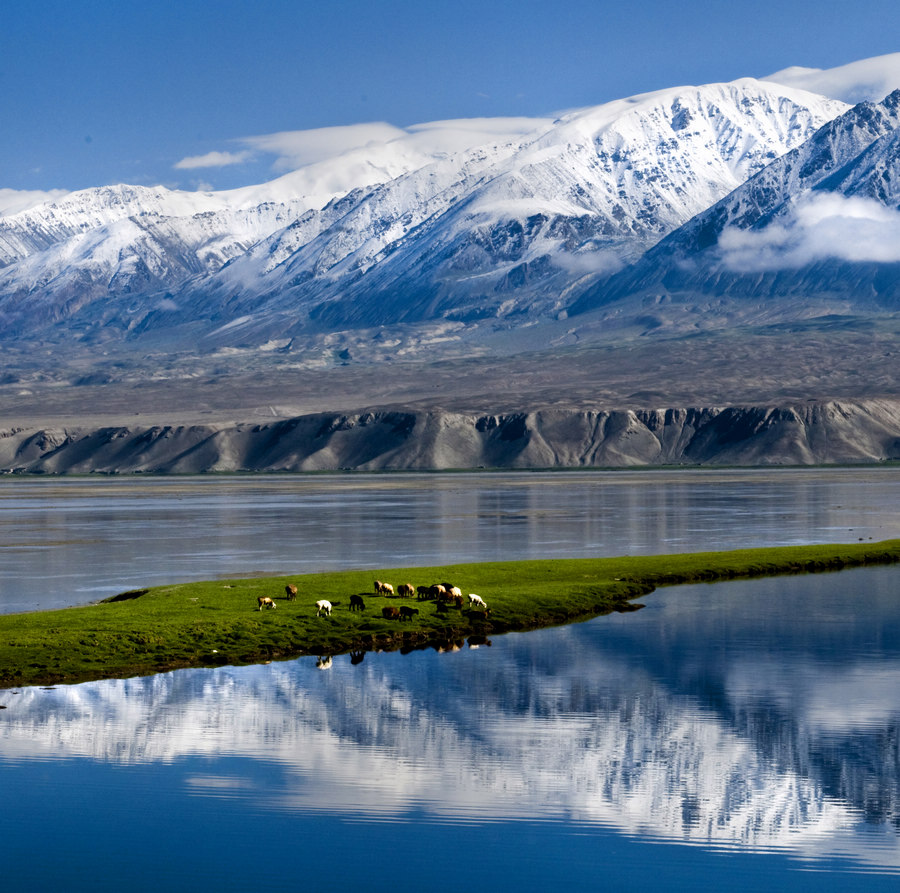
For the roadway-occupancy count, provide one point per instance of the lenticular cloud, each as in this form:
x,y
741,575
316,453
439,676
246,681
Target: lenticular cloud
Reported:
x,y
820,226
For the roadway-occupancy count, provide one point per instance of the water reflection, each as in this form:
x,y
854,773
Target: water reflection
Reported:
x,y
66,542
759,716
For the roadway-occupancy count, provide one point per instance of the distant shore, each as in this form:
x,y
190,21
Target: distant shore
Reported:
x,y
219,622
409,439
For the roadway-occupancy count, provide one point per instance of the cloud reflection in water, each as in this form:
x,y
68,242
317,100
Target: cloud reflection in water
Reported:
x,y
679,723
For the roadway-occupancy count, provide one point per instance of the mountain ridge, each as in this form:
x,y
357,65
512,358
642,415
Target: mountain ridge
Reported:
x,y
854,155
404,439
677,254
497,230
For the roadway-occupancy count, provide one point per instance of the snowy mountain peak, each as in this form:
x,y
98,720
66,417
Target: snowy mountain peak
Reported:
x,y
460,221
790,231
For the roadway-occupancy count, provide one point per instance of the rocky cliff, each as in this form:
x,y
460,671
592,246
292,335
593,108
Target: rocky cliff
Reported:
x,y
397,439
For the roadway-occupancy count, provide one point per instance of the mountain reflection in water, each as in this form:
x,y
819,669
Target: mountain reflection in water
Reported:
x,y
752,716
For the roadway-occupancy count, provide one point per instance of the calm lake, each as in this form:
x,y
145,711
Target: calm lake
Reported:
x,y
745,735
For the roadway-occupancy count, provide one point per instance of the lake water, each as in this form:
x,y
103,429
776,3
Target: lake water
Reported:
x,y
744,735
66,542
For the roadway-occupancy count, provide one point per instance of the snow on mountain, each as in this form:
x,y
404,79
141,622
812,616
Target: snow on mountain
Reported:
x,y
788,230
592,194
401,228
866,80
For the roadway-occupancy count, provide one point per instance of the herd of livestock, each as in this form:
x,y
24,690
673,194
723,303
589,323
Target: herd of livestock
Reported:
x,y
446,597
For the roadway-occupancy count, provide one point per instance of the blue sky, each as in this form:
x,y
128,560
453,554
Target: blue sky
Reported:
x,y
94,92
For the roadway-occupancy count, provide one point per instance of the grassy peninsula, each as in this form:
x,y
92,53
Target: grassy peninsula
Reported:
x,y
218,622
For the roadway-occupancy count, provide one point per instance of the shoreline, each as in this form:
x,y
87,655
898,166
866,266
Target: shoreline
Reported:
x,y
216,623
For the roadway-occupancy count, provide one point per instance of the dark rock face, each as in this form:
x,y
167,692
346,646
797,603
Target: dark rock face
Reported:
x,y
810,433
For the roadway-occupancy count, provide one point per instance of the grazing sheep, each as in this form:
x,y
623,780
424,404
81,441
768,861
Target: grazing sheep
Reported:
x,y
383,588
424,593
265,602
290,592
323,605
454,591
390,613
357,603
407,613
476,601
438,591
406,589
442,608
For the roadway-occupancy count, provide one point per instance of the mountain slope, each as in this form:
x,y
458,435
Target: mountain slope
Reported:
x,y
502,233
809,433
819,226
500,229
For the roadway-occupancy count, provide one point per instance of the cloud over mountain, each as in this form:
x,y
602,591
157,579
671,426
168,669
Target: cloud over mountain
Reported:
x,y
12,201
867,80
212,159
817,227
473,223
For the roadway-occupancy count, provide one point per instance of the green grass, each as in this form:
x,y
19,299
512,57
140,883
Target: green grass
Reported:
x,y
217,622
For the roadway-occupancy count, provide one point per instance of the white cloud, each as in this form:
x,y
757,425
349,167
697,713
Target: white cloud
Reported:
x,y
213,159
818,227
294,149
867,79
297,148
604,262
326,162
14,200
466,133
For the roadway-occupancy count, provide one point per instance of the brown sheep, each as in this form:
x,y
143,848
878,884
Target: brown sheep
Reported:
x,y
265,602
290,592
390,613
405,589
383,588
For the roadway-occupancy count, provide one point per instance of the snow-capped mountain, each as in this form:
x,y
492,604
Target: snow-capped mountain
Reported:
x,y
823,221
398,231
